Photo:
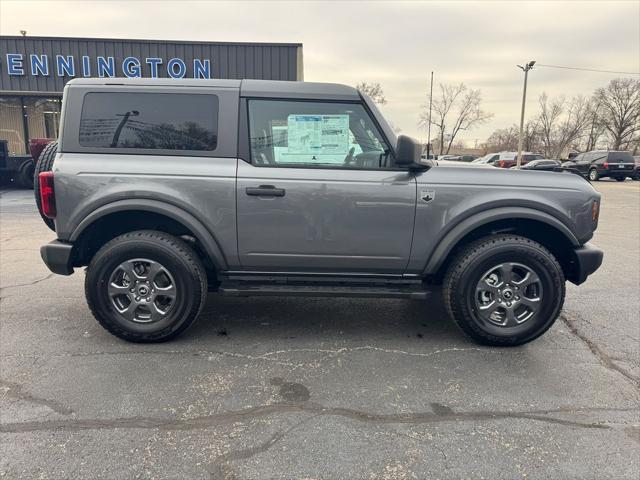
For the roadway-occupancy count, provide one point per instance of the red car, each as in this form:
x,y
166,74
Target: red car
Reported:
x,y
511,160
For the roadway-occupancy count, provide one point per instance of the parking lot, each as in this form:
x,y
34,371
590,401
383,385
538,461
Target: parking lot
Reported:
x,y
318,388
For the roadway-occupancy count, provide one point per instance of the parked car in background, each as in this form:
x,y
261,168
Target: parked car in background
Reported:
x,y
544,164
636,169
507,159
488,159
458,158
599,164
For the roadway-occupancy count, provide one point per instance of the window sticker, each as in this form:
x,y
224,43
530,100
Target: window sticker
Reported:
x,y
325,138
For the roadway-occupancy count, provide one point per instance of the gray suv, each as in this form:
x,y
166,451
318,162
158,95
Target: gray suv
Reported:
x,y
168,189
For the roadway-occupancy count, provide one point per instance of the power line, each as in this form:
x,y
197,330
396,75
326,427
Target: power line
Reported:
x,y
587,69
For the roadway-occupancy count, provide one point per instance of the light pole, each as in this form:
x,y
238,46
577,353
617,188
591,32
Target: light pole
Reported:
x,y
125,119
525,69
429,122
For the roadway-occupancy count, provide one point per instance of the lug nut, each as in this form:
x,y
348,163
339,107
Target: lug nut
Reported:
x,y
137,299
517,297
508,304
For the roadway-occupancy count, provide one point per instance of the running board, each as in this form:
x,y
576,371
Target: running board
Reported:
x,y
236,290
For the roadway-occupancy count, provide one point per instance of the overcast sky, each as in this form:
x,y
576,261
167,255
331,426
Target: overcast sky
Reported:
x,y
394,43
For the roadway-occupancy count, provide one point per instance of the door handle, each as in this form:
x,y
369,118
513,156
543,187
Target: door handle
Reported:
x,y
265,191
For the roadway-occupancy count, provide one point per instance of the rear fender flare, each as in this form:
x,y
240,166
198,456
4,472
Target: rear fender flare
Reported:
x,y
204,237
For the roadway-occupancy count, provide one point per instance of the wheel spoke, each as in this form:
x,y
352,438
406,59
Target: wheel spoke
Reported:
x,y
489,306
506,272
511,319
129,268
529,279
153,270
531,303
169,291
130,311
115,289
486,312
156,313
483,286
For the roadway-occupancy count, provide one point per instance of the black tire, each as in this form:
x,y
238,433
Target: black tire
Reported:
x,y
620,179
467,270
593,175
175,256
25,174
44,164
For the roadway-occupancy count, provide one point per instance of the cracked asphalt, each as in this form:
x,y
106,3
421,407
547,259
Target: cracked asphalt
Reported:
x,y
318,388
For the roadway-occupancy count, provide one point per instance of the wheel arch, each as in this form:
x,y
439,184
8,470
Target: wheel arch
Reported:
x,y
539,226
116,218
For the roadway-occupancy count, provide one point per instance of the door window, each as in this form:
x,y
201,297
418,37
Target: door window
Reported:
x,y
315,135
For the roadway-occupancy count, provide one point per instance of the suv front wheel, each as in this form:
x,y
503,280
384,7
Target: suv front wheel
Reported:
x,y
504,290
593,175
146,286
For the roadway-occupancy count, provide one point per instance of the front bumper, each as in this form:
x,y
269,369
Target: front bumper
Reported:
x,y
57,257
586,260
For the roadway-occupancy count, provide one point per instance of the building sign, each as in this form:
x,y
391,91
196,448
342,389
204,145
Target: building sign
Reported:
x,y
67,65
45,64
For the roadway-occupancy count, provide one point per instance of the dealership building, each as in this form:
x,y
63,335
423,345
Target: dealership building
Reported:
x,y
34,70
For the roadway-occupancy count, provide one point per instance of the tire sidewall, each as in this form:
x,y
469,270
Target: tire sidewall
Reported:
x,y
44,164
188,290
551,280
593,175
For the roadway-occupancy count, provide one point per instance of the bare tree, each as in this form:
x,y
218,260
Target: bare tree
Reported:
x,y
503,139
620,110
531,136
506,139
595,128
561,122
374,90
455,108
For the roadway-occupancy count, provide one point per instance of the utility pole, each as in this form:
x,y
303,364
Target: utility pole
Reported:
x,y
125,119
429,123
525,69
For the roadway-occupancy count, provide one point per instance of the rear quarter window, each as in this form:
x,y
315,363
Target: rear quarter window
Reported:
x,y
149,121
621,157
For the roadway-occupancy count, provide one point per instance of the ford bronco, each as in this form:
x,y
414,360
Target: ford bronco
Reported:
x,y
168,189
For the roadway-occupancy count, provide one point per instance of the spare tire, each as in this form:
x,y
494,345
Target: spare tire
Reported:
x,y
44,164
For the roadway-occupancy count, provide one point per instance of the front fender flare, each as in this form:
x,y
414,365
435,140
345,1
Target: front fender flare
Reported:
x,y
204,236
446,244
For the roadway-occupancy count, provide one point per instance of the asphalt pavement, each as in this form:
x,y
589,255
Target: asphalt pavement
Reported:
x,y
318,388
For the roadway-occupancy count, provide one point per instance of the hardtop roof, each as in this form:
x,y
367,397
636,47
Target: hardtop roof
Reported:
x,y
248,87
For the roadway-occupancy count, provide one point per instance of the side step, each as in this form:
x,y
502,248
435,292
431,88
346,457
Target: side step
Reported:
x,y
242,290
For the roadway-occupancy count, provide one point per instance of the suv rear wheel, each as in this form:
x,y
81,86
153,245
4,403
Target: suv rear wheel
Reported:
x,y
593,175
146,286
504,290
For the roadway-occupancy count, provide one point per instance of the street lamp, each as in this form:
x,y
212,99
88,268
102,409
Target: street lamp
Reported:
x,y
125,119
525,69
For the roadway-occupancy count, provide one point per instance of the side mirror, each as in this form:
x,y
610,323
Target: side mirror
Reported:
x,y
409,151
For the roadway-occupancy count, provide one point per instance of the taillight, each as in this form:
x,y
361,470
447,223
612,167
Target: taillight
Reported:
x,y
47,194
605,164
501,163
